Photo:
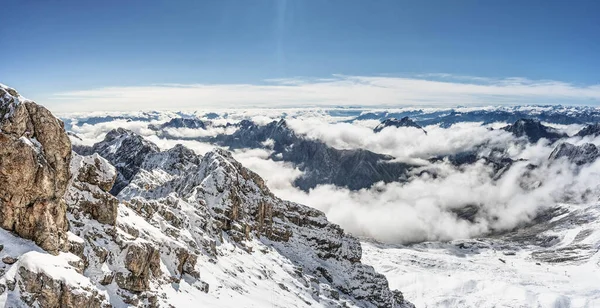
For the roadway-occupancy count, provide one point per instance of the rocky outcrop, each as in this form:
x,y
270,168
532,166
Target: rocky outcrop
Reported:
x,y
393,122
580,155
533,130
35,153
44,291
42,280
93,178
141,260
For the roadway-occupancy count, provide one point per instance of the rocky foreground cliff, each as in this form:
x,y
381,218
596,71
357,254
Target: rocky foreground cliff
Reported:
x,y
184,230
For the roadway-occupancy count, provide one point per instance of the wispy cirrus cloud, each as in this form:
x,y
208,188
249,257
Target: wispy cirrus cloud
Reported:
x,y
384,91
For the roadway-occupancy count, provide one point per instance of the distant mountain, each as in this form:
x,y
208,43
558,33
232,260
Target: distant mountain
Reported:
x,y
533,130
580,155
393,122
590,130
180,123
449,116
321,163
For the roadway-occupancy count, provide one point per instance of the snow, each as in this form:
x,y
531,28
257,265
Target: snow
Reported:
x,y
29,256
442,275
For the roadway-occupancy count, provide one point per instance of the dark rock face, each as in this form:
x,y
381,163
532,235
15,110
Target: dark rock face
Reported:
x,y
321,163
580,155
404,122
128,161
34,171
179,123
533,130
589,130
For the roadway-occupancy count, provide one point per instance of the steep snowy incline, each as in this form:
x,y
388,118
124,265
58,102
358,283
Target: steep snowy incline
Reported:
x,y
224,214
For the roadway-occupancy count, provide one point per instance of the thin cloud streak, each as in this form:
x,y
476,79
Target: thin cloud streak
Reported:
x,y
424,90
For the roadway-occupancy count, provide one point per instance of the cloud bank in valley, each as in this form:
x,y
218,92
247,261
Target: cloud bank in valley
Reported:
x,y
421,90
422,209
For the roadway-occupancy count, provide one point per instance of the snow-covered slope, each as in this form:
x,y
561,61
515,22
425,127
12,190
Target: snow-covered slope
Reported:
x,y
552,264
184,230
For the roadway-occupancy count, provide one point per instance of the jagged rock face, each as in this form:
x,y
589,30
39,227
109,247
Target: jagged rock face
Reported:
x,y
393,122
580,155
533,130
34,171
239,203
127,162
589,130
180,123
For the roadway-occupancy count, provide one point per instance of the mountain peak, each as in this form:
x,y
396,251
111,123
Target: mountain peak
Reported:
x,y
9,100
394,122
534,130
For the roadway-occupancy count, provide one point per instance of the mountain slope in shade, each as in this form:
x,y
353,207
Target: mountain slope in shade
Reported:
x,y
580,155
533,130
180,123
590,130
320,163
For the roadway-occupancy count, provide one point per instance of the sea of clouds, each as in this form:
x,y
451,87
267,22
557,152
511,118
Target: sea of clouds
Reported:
x,y
423,208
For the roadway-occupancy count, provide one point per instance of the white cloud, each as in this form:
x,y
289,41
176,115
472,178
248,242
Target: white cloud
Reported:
x,y
404,143
420,209
442,90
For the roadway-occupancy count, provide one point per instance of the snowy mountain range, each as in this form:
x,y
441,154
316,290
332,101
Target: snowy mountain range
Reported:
x,y
462,207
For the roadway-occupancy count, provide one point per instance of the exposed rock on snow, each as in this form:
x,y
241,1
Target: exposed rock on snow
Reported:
x,y
93,177
236,201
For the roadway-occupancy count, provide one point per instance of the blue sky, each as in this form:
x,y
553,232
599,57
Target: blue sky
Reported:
x,y
62,53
